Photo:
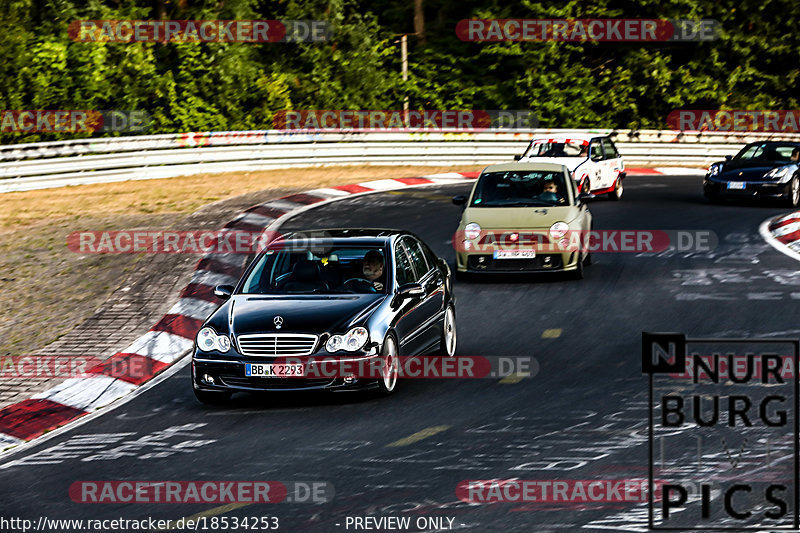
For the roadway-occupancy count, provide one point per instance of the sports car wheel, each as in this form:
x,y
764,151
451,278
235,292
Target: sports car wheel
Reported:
x,y
212,397
616,194
390,368
794,192
447,344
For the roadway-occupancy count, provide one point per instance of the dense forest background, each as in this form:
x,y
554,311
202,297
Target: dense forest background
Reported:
x,y
196,87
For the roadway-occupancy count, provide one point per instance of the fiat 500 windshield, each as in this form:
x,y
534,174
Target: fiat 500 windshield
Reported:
x,y
520,189
301,271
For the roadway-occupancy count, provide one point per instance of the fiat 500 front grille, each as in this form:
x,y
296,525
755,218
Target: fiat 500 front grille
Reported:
x,y
277,344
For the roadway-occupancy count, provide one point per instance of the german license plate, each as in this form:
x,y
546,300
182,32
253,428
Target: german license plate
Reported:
x,y
736,185
269,370
514,254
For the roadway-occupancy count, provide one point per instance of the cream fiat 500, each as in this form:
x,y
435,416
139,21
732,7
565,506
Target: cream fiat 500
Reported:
x,y
523,217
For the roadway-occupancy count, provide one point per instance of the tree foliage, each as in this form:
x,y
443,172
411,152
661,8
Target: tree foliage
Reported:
x,y
228,86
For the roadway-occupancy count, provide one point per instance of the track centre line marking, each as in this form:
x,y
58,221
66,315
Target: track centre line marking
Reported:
x,y
551,333
211,512
418,436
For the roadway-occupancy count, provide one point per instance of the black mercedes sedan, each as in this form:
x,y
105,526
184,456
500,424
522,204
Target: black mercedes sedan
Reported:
x,y
359,297
766,169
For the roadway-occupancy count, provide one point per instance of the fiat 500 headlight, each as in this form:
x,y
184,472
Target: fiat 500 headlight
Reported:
x,y
208,340
351,341
472,230
558,230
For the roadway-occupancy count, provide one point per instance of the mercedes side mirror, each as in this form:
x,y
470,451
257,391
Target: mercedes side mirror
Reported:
x,y
410,290
223,292
405,292
517,157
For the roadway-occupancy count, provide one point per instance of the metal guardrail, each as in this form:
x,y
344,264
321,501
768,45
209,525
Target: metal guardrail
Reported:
x,y
54,164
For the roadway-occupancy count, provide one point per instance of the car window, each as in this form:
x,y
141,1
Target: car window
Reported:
x,y
297,268
520,188
555,148
404,272
750,152
596,150
417,257
609,150
431,257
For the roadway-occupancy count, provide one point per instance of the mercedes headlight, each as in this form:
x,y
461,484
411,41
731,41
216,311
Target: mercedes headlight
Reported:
x,y
353,340
472,230
208,340
558,230
777,173
713,170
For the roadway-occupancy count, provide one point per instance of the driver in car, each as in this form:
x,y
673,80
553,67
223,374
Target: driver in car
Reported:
x,y
550,193
372,268
795,158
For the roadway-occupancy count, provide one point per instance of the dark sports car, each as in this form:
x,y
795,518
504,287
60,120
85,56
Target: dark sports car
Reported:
x,y
767,169
359,296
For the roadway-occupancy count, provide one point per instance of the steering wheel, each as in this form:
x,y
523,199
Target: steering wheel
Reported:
x,y
359,285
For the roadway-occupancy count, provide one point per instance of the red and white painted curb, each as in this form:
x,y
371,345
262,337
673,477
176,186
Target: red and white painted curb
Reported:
x,y
172,338
783,233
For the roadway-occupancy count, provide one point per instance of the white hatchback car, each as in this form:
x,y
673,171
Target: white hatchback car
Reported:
x,y
593,161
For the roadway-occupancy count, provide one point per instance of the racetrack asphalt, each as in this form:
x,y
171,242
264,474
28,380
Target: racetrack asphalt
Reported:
x,y
583,415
